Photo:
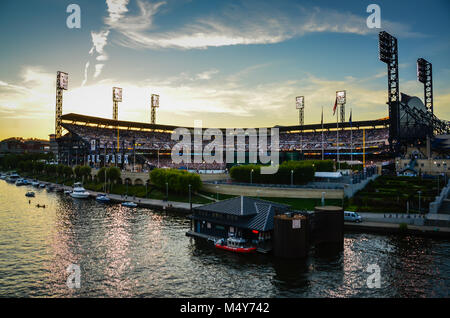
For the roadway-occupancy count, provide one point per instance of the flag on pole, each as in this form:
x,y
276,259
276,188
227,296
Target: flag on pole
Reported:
x,y
321,121
335,106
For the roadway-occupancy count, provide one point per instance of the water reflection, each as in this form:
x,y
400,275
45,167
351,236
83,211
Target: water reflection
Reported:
x,y
143,253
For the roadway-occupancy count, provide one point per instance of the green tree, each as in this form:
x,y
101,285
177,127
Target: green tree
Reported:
x,y
178,180
85,172
113,174
60,170
77,172
67,171
101,174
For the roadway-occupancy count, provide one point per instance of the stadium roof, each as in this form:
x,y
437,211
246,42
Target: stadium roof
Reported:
x,y
90,120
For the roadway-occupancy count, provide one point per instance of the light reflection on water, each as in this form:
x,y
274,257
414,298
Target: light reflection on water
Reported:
x,y
126,252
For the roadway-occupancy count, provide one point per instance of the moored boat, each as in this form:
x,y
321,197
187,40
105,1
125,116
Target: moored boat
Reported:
x,y
79,192
21,182
235,244
129,204
29,194
12,178
103,198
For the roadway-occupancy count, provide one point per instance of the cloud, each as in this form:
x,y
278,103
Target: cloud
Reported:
x,y
206,75
99,40
222,101
116,9
249,23
86,68
98,69
30,97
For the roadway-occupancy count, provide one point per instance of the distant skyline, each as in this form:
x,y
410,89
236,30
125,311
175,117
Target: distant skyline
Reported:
x,y
227,63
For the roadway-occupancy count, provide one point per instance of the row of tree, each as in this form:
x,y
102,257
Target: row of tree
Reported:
x,y
178,180
38,167
110,174
12,161
297,172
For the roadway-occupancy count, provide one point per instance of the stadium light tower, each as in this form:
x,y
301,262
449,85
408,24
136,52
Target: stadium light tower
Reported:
x,y
341,97
62,81
389,55
117,97
154,105
425,76
300,105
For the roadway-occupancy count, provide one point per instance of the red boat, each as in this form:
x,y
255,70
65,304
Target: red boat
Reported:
x,y
234,244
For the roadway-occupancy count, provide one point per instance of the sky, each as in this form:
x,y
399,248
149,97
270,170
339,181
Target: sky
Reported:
x,y
227,63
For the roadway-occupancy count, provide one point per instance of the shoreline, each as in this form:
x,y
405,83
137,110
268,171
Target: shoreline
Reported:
x,y
364,227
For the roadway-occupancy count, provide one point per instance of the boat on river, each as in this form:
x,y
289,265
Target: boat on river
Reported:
x,y
103,198
235,244
129,204
79,192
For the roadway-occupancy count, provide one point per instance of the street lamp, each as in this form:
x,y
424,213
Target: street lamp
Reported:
x,y
444,173
419,201
251,176
292,177
167,191
217,192
190,201
437,178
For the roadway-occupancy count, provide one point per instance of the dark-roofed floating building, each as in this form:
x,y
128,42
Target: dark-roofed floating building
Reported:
x,y
266,225
243,217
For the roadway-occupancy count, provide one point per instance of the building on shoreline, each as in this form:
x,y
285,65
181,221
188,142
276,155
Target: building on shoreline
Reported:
x,y
19,145
245,217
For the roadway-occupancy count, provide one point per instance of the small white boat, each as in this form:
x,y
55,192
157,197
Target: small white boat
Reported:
x,y
103,198
129,204
12,178
35,184
42,185
20,182
67,192
79,192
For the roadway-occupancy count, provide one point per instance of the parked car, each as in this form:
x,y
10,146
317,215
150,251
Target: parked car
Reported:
x,y
352,216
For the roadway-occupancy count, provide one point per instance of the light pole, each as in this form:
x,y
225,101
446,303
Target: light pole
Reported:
x,y
190,201
251,176
444,174
437,178
292,177
217,192
419,201
167,191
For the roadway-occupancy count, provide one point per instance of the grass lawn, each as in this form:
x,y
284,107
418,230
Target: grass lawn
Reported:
x,y
297,204
393,193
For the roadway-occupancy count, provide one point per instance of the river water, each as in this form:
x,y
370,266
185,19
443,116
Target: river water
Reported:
x,y
123,252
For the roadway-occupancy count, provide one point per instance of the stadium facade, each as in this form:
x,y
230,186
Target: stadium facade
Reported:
x,y
101,141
